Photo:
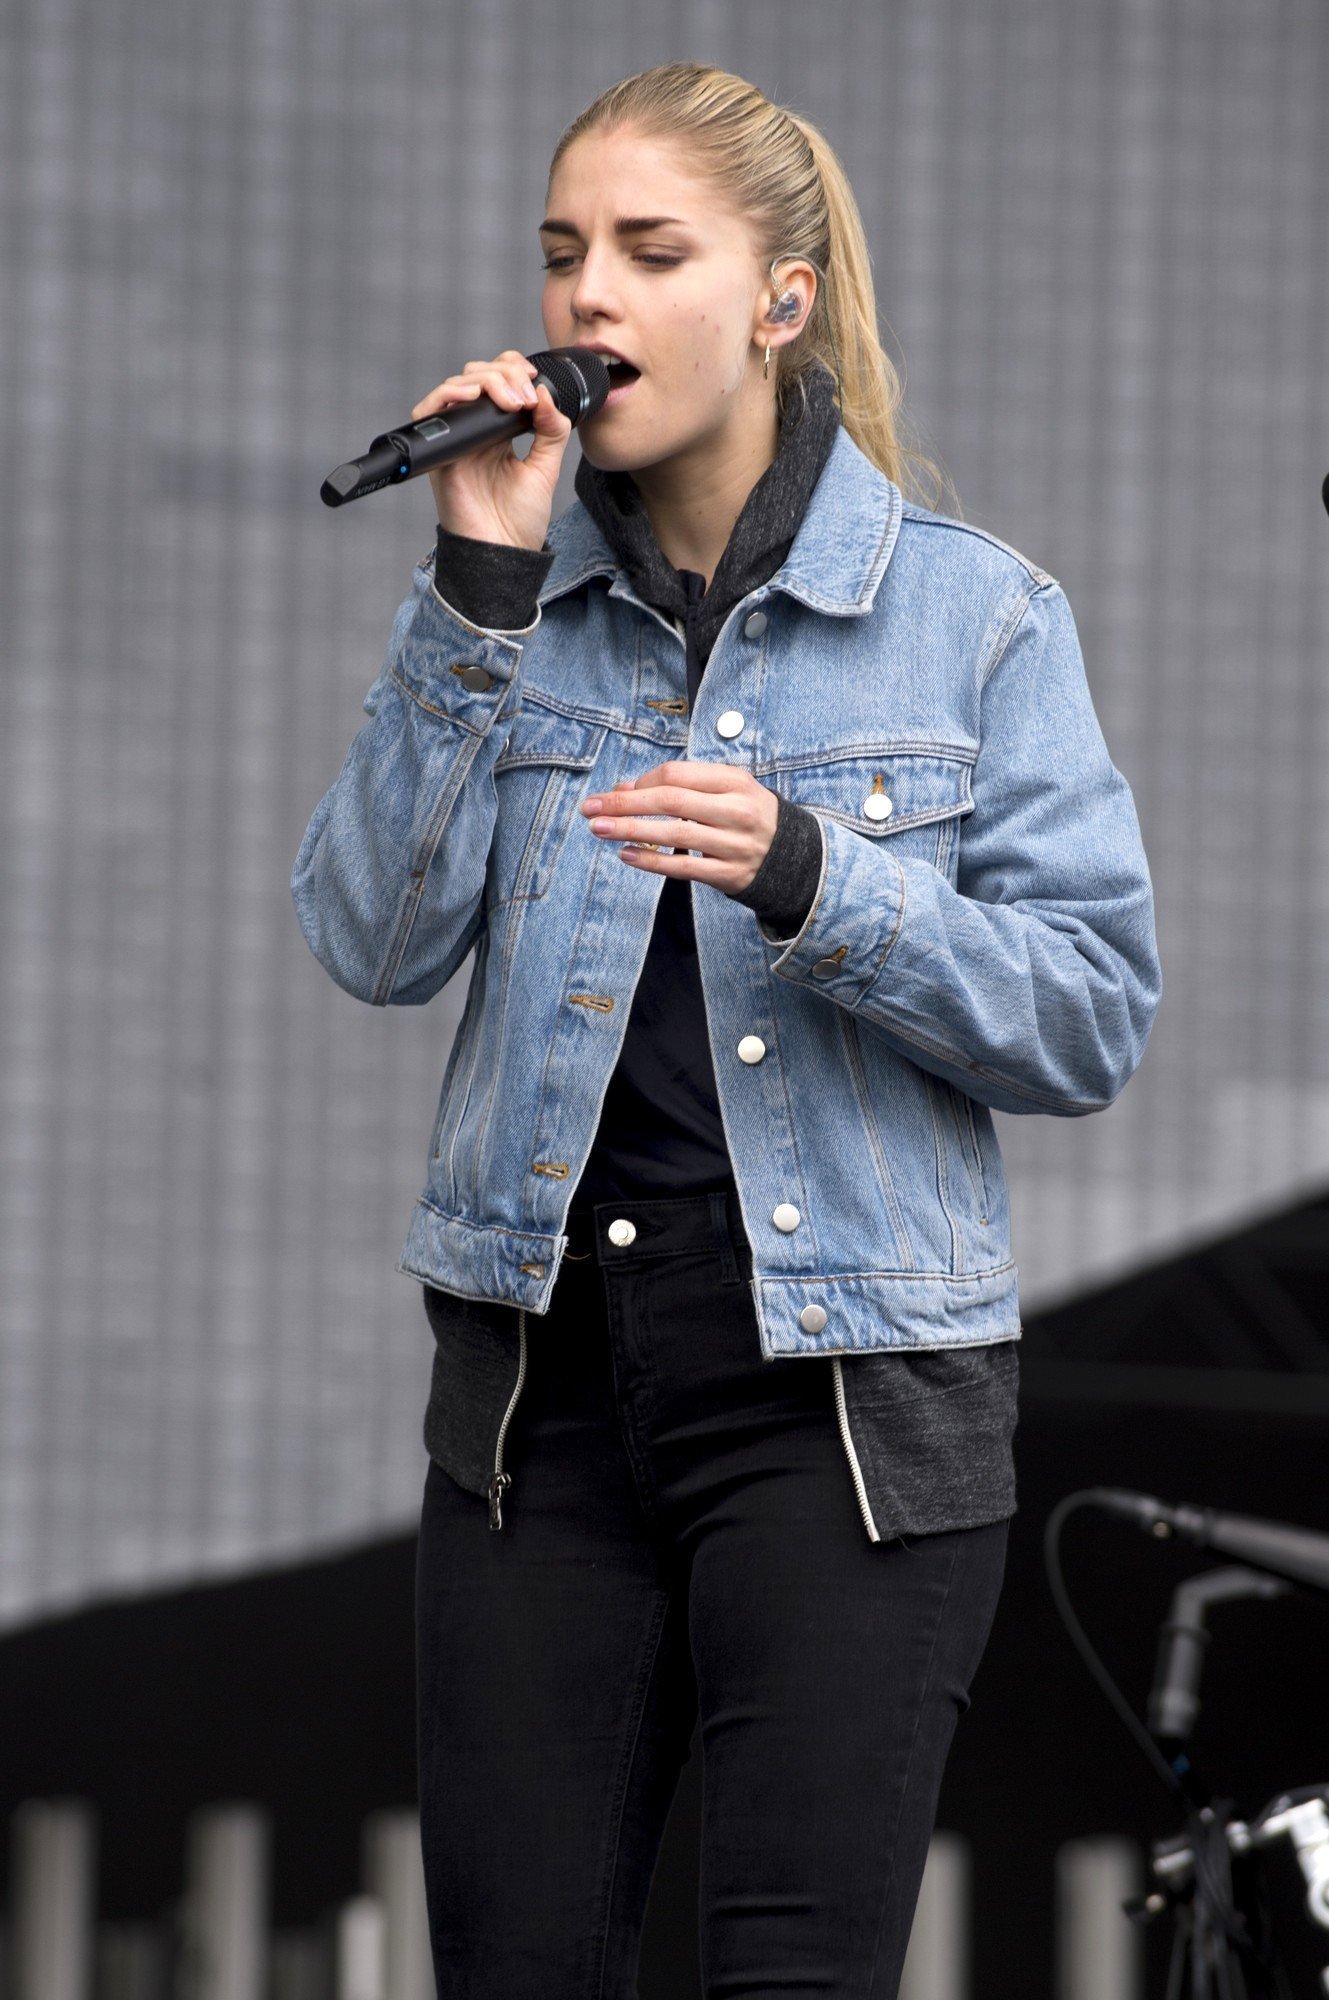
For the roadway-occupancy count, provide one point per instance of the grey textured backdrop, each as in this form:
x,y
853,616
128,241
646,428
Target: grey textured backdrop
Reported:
x,y
239,238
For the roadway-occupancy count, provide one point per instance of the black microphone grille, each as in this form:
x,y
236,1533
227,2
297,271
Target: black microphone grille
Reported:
x,y
578,379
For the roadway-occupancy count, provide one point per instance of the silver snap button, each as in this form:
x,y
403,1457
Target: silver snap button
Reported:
x,y
751,1049
826,968
786,1216
477,679
812,1319
730,723
754,625
621,1231
877,806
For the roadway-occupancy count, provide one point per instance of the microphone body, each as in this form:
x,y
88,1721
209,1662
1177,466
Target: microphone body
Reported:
x,y
1298,1553
576,378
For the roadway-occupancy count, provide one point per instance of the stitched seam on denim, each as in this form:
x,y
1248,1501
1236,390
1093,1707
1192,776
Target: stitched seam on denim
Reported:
x,y
858,1076
509,953
883,746
840,1277
1004,639
599,858
475,1034
812,596
424,859
943,1177
483,1228
982,1069
432,708
978,1150
910,513
789,1109
952,1099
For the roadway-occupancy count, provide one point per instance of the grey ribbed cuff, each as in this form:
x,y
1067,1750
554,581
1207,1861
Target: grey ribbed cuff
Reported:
x,y
782,889
493,584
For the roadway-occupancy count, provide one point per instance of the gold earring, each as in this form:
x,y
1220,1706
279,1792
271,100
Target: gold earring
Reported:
x,y
766,364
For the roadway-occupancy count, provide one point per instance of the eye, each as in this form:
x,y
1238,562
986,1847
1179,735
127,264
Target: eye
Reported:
x,y
649,257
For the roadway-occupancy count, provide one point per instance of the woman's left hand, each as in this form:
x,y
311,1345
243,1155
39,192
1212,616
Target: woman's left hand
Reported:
x,y
715,808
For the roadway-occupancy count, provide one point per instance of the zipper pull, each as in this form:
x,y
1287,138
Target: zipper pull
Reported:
x,y
496,1485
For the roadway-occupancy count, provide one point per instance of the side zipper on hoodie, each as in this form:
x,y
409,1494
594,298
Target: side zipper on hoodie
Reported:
x,y
855,1468
501,1479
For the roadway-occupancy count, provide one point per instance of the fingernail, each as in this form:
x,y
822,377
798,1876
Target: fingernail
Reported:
x,y
591,805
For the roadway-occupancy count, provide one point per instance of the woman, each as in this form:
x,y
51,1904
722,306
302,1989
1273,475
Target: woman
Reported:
x,y
879,875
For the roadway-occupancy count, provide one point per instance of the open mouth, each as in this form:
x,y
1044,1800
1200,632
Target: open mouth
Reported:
x,y
622,375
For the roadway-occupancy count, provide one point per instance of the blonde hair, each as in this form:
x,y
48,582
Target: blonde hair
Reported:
x,y
779,171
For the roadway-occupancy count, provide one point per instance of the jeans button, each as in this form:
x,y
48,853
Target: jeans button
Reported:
x,y
785,1216
622,1232
812,1319
754,625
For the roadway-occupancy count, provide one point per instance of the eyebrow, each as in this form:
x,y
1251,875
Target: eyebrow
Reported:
x,y
625,225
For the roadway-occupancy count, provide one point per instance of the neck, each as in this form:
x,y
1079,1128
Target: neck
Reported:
x,y
694,497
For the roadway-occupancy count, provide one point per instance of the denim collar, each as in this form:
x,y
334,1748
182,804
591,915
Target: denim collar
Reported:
x,y
820,523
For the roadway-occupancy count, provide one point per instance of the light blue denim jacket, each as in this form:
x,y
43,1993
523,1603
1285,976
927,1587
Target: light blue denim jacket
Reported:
x,y
982,934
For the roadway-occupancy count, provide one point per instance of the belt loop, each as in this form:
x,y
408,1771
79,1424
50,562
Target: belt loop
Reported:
x,y
724,1242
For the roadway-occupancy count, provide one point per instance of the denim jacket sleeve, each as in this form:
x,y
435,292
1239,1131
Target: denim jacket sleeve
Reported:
x,y
1031,984
389,879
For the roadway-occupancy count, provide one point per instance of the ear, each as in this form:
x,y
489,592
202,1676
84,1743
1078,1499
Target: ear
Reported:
x,y
782,322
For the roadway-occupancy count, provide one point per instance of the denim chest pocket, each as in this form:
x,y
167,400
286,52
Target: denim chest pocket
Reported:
x,y
913,795
540,775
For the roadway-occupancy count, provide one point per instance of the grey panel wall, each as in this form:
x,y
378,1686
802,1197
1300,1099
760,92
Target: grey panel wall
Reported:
x,y
240,238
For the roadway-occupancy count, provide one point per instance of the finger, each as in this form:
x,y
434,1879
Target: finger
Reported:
x,y
507,379
719,874
455,389
720,843
697,776
713,808
506,391
552,427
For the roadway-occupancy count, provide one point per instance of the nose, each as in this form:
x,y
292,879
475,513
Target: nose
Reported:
x,y
592,296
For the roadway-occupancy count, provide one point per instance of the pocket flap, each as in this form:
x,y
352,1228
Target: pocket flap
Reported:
x,y
544,736
879,790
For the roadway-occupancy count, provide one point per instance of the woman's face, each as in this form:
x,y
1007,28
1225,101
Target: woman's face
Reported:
x,y
679,299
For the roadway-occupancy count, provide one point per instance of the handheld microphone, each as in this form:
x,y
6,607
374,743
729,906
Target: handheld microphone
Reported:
x,y
576,378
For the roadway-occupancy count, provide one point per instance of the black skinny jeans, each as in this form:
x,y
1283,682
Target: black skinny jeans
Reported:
x,y
681,1538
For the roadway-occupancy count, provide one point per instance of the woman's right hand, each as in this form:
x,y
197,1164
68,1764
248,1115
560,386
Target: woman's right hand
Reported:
x,y
491,494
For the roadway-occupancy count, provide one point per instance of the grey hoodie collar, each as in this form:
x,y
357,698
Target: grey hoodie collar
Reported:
x,y
762,535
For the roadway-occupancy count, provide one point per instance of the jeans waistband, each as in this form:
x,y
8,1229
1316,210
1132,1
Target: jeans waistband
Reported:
x,y
618,1232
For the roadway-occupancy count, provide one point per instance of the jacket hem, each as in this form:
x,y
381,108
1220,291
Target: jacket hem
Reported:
x,y
896,1310
906,1309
